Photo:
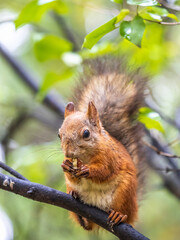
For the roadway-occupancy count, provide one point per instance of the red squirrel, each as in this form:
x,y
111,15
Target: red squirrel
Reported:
x,y
101,141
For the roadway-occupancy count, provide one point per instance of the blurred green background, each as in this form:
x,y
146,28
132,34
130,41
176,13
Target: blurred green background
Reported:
x,y
34,148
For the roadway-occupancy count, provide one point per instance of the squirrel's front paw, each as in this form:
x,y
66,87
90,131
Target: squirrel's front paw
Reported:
x,y
77,171
83,171
67,166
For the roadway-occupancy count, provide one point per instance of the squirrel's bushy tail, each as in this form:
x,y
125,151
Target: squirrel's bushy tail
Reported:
x,y
118,95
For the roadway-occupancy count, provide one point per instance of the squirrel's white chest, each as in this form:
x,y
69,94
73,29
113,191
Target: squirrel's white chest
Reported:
x,y
95,194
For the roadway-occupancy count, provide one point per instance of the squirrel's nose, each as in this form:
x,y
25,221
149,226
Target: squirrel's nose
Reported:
x,y
69,154
69,149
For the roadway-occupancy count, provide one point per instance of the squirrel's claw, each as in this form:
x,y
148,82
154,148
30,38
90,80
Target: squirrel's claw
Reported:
x,y
67,166
116,218
82,172
74,194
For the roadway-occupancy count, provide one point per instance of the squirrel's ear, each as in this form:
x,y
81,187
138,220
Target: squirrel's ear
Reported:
x,y
69,109
93,115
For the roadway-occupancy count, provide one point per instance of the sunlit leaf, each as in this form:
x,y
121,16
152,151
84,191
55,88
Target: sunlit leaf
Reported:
x,y
156,14
51,79
122,15
150,119
172,16
34,11
143,2
133,30
117,1
51,47
92,38
149,15
158,10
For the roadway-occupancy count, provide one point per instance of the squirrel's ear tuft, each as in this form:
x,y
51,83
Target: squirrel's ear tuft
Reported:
x,y
93,115
69,109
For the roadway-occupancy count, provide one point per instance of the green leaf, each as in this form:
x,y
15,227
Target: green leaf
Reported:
x,y
158,10
133,30
149,14
51,47
143,2
172,16
34,11
122,15
156,13
117,1
92,38
150,119
51,79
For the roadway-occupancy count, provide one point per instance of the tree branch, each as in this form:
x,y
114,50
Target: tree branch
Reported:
x,y
40,193
50,100
12,171
162,148
18,121
167,169
170,181
67,32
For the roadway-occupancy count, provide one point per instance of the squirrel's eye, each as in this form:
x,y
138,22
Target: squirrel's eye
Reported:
x,y
86,134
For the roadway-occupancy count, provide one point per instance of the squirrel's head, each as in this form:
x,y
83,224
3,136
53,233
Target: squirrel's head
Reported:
x,y
80,132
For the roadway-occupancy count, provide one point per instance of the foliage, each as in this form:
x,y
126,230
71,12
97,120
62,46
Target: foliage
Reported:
x,y
34,11
150,119
133,31
92,38
49,47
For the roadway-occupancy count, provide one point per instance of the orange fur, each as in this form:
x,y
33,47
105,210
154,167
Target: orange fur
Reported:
x,y
111,157
111,182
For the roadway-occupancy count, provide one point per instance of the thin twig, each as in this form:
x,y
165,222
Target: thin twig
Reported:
x,y
174,142
41,193
167,169
168,160
169,5
160,152
164,23
170,181
12,171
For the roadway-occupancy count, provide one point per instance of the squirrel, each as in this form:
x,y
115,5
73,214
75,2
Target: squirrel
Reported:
x,y
101,140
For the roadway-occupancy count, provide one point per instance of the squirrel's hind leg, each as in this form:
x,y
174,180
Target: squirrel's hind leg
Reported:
x,y
84,222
